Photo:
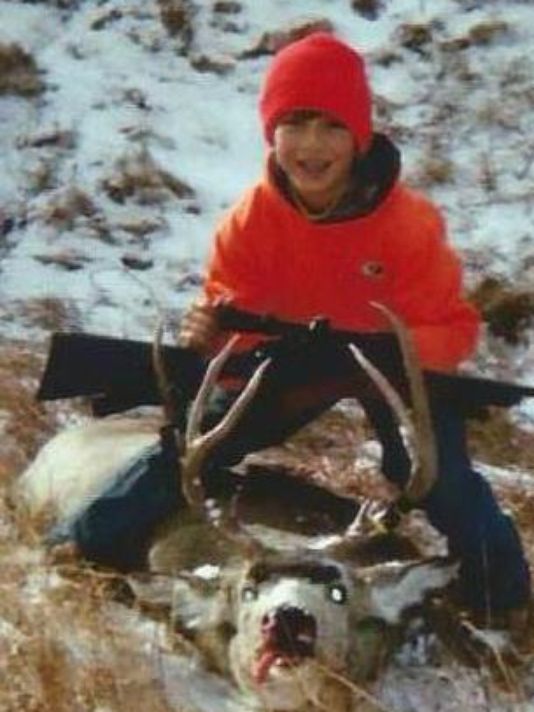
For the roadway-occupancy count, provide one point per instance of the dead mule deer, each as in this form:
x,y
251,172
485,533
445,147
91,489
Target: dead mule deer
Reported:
x,y
291,626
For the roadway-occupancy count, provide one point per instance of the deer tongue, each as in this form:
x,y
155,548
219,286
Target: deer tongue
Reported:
x,y
263,664
269,656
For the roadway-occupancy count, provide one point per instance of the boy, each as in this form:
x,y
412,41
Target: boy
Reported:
x,y
329,229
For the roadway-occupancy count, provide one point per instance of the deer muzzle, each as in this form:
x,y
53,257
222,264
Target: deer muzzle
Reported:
x,y
288,636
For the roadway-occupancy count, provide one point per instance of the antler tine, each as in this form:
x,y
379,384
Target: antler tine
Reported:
x,y
389,393
227,423
192,493
199,445
424,474
419,438
215,367
162,380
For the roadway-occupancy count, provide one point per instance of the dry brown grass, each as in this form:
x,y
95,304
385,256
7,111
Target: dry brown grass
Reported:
x,y
25,422
325,452
434,169
507,309
272,42
484,33
177,18
18,72
60,648
66,206
138,177
47,313
496,439
415,37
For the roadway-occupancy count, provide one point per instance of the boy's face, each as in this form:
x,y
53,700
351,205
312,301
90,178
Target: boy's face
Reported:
x,y
316,151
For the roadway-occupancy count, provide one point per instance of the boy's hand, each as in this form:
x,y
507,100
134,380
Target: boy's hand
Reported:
x,y
199,328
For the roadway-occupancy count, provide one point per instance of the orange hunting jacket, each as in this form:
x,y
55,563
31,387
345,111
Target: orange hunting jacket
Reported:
x,y
270,259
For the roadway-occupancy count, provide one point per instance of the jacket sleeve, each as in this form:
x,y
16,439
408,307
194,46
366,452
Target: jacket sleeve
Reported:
x,y
235,268
427,292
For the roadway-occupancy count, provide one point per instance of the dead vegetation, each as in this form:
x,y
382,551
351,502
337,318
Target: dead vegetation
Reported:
x,y
138,177
227,7
326,450
415,37
484,33
45,313
24,423
273,41
434,169
226,16
62,651
497,440
105,18
177,18
18,72
66,259
508,310
204,63
56,138
67,205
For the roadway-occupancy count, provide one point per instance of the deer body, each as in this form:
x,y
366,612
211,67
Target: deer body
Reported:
x,y
80,462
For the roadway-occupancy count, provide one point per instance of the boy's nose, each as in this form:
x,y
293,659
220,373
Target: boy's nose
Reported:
x,y
312,135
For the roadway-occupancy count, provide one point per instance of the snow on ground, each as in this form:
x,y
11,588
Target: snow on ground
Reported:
x,y
452,82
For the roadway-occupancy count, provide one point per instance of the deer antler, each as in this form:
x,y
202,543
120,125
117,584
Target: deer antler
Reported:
x,y
419,433
196,447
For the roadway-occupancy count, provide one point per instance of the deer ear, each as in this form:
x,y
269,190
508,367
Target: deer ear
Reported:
x,y
396,587
152,592
199,604
190,601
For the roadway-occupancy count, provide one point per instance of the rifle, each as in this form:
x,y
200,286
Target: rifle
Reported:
x,y
117,374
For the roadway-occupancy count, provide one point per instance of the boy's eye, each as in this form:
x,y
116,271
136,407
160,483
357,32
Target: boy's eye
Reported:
x,y
334,124
298,121
292,121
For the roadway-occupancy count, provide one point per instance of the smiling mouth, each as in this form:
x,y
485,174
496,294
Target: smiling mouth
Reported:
x,y
313,169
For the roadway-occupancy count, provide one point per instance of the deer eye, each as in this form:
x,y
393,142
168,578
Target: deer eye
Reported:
x,y
249,593
337,593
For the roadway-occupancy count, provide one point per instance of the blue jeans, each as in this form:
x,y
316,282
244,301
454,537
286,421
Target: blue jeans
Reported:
x,y
115,528
494,573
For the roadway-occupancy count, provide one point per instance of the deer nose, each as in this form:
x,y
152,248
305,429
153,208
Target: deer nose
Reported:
x,y
290,629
